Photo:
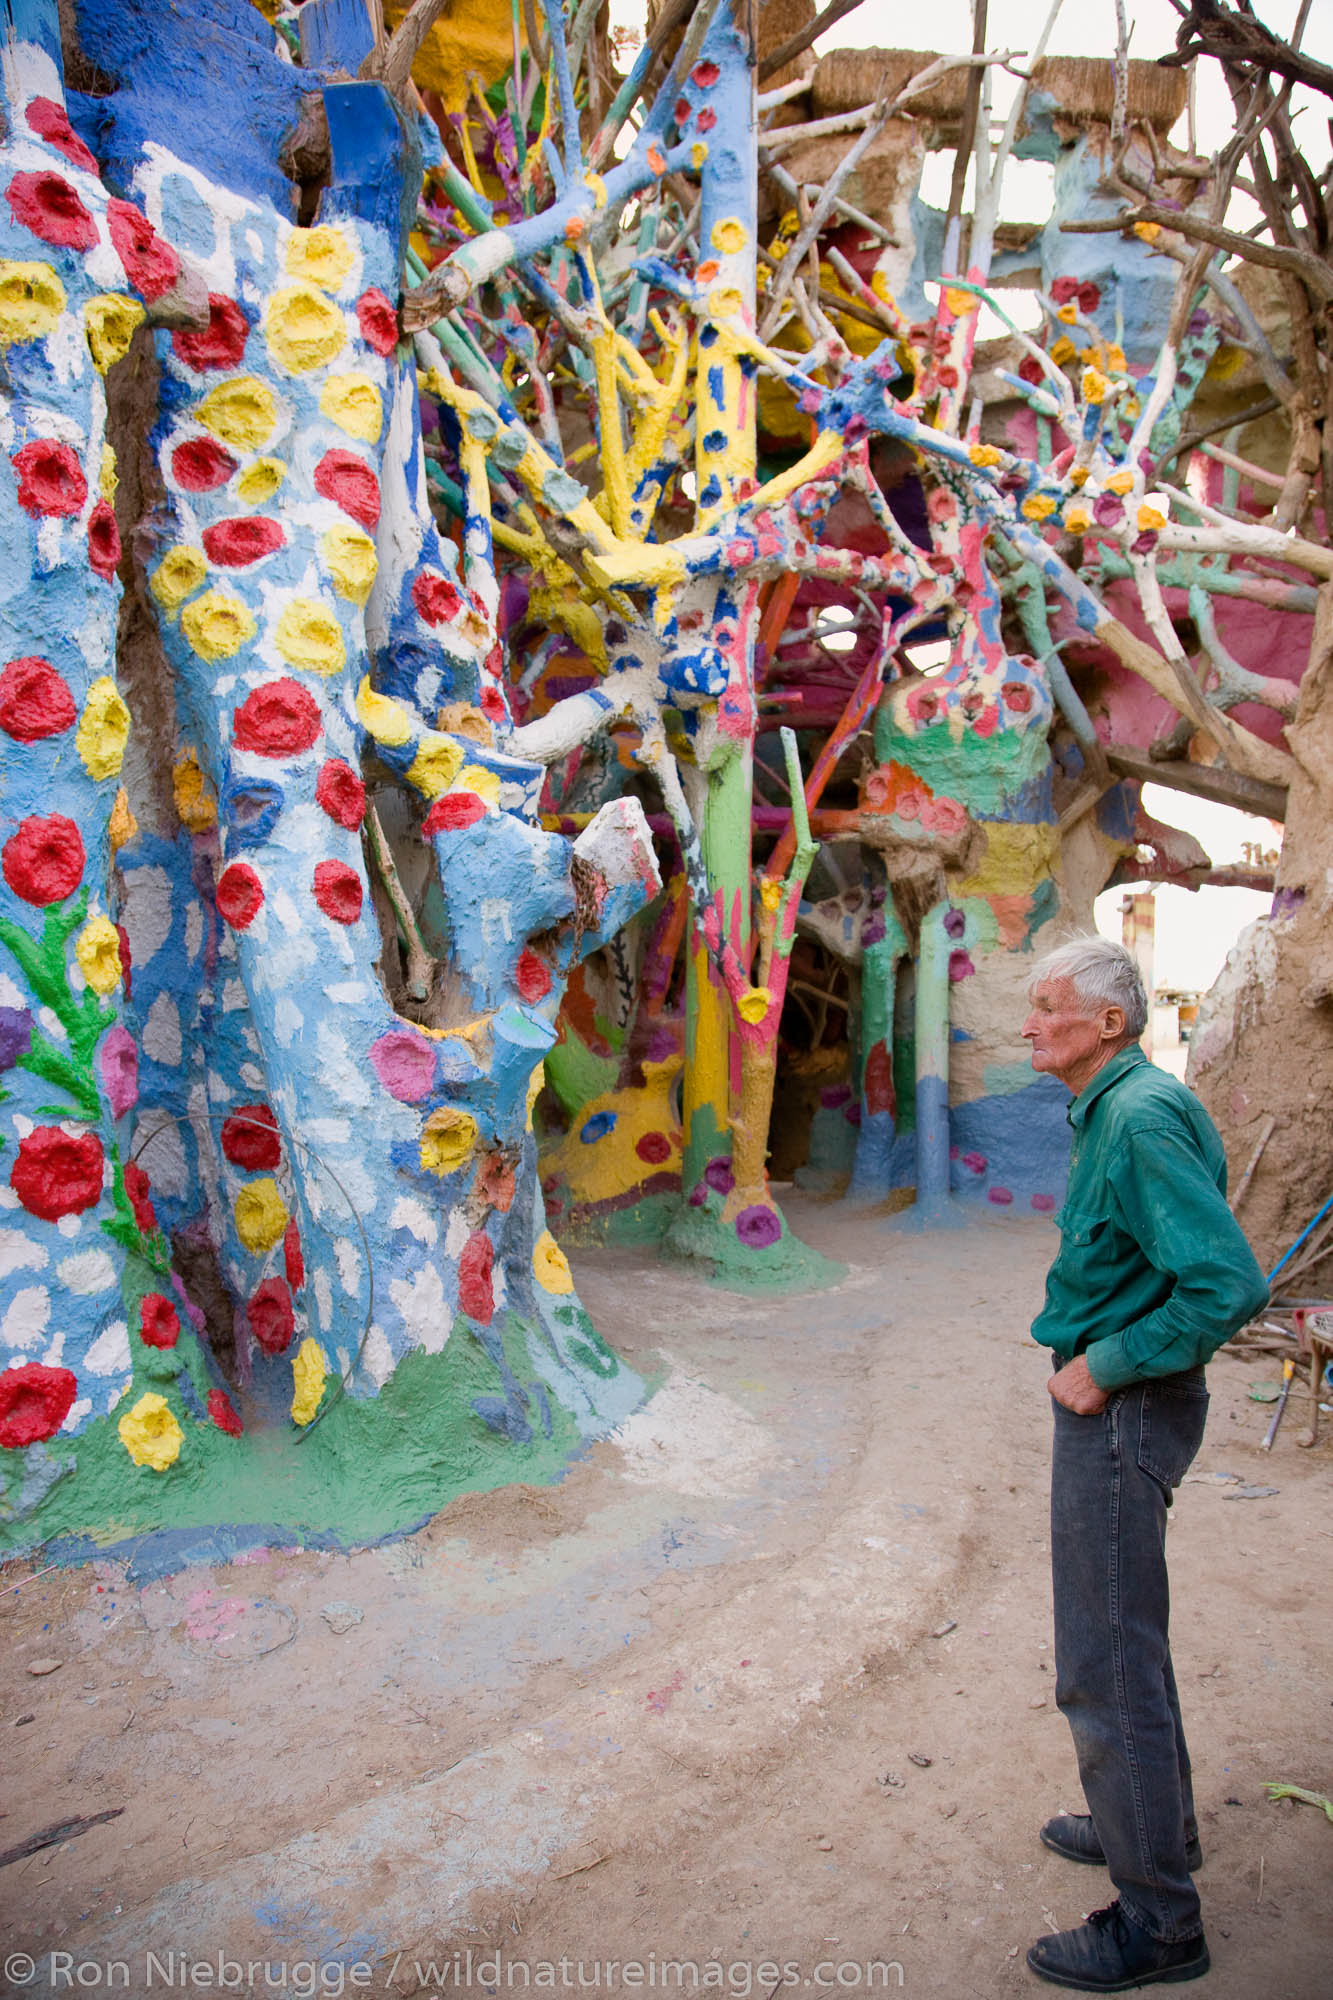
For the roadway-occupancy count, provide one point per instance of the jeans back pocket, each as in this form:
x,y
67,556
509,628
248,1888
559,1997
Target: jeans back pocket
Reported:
x,y
1173,1414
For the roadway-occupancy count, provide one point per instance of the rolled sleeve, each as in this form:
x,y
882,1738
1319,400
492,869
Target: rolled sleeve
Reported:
x,y
1179,1217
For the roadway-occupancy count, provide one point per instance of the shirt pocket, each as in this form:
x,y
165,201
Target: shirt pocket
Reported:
x,y
1080,1229
1172,1417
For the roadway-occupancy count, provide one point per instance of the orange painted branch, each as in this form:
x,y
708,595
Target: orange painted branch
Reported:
x,y
853,716
776,612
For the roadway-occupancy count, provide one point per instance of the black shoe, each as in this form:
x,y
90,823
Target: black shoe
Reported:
x,y
1073,1835
1110,1954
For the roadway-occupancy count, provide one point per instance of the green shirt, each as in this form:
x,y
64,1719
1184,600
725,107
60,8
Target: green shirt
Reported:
x,y
1153,1273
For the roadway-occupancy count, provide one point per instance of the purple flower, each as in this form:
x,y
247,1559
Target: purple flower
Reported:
x,y
758,1226
873,933
1107,509
960,966
698,1196
719,1176
955,923
15,1035
1143,544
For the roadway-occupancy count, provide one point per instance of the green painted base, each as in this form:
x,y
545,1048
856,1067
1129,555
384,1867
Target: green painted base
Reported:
x,y
367,1469
787,1265
642,1223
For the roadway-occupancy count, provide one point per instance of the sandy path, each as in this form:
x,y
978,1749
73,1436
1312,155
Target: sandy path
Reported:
x,y
678,1708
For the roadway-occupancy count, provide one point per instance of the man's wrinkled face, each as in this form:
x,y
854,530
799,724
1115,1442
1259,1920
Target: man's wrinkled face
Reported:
x,y
1067,1041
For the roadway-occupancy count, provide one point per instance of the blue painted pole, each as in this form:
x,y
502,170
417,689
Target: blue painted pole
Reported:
x,y
932,1064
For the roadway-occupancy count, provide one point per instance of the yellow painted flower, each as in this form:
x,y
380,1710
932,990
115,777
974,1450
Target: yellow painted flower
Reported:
x,y
598,188
1095,385
1078,519
1079,476
476,778
308,635
322,256
386,721
107,477
196,808
770,894
754,1004
1063,352
150,1433
217,625
699,155
104,730
180,571
260,1214
1067,314
1151,520
260,481
1038,507
242,412
1147,232
729,235
436,764
550,1266
353,403
32,299
310,1371
960,303
122,825
447,1140
1120,481
1115,363
983,454
109,323
352,561
97,948
304,330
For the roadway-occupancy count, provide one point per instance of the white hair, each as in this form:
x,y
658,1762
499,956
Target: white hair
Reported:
x,y
1102,974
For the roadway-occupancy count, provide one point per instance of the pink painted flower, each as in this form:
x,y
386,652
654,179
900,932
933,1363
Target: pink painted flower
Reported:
x,y
404,1064
118,1059
944,816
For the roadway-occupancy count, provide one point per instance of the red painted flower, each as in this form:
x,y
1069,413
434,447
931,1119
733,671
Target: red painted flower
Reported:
x,y
136,1187
126,958
1031,370
50,121
654,1148
436,598
200,464
54,1174
103,541
34,700
341,793
338,891
292,1260
532,976
1064,289
221,343
43,861
223,1414
349,482
706,120
476,1292
277,720
378,321
51,479
492,704
49,206
453,812
242,540
270,1316
151,265
250,1138
34,1403
159,1322
240,895
1018,696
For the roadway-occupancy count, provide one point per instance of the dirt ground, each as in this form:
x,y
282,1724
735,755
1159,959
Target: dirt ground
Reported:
x,y
759,1698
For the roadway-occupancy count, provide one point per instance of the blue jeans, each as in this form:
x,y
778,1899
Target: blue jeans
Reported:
x,y
1111,1481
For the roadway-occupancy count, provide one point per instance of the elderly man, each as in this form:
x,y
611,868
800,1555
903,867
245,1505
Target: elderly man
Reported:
x,y
1151,1277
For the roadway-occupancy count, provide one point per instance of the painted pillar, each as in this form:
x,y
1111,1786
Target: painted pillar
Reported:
x,y
724,473
883,947
932,1060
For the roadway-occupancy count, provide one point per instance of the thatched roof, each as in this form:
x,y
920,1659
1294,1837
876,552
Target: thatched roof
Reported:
x,y
1084,89
846,79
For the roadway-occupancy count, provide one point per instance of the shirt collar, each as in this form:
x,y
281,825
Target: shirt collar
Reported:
x,y
1121,1062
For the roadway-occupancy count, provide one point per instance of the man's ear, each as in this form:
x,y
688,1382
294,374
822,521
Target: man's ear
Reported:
x,y
1113,1024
